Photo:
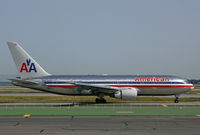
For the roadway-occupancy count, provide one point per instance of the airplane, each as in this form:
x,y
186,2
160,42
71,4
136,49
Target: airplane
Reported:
x,y
125,87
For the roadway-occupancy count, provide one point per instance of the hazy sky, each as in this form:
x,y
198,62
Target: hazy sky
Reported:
x,y
104,36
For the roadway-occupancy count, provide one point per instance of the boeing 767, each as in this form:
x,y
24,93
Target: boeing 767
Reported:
x,y
125,87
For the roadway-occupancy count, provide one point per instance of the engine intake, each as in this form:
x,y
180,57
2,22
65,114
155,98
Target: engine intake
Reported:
x,y
127,94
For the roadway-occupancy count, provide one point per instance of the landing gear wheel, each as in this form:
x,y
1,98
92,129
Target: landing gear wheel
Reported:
x,y
97,100
103,101
100,100
176,100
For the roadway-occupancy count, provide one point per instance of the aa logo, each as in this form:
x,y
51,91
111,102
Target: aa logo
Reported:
x,y
28,66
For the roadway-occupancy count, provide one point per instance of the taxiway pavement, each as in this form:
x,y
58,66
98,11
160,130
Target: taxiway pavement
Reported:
x,y
100,125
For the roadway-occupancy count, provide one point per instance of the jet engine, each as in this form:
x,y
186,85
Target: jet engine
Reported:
x,y
86,92
127,93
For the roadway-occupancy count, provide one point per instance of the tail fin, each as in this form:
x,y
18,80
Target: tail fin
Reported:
x,y
26,65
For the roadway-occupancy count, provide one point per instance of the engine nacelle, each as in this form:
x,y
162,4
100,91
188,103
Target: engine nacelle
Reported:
x,y
127,94
86,92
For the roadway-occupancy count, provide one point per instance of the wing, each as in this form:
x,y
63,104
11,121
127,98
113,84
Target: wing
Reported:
x,y
96,88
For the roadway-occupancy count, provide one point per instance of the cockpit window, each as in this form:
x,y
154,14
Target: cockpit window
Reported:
x,y
186,81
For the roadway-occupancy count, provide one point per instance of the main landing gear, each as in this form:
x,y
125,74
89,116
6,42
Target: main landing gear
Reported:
x,y
100,99
176,99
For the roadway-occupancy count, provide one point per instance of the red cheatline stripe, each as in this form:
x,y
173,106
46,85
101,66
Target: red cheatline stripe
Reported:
x,y
151,85
61,85
128,85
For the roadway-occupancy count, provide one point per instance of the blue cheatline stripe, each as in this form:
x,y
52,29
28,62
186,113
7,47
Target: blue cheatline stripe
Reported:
x,y
117,82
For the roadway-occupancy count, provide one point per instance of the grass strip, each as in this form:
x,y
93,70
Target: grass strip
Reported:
x,y
99,110
70,99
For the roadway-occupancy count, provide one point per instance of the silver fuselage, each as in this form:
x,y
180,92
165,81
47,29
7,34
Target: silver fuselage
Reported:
x,y
148,85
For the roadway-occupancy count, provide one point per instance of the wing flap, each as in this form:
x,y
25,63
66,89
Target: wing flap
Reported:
x,y
96,88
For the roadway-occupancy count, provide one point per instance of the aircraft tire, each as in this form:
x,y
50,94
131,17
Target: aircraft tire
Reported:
x,y
176,101
103,101
100,100
97,100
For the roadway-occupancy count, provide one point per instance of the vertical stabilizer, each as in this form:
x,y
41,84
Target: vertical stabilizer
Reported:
x,y
26,65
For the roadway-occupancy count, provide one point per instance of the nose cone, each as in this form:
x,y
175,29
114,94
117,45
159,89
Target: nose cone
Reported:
x,y
192,86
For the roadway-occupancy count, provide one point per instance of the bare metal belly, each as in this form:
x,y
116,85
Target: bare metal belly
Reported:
x,y
64,90
162,90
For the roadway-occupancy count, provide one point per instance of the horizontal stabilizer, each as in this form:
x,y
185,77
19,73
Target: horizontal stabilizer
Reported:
x,y
24,82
